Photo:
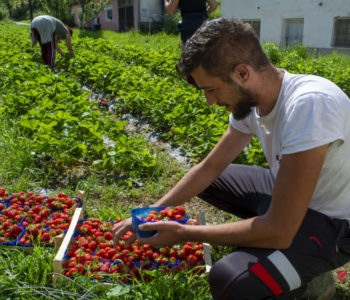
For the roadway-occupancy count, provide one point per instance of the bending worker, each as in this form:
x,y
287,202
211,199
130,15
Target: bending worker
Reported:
x,y
47,30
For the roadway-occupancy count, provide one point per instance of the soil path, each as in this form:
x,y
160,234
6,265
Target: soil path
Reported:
x,y
21,23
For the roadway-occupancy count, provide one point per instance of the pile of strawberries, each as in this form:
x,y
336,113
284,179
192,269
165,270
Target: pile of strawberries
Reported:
x,y
61,202
9,229
169,213
37,233
3,194
23,198
39,218
15,212
59,220
92,253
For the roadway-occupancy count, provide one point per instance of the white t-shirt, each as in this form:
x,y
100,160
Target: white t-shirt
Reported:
x,y
310,111
47,26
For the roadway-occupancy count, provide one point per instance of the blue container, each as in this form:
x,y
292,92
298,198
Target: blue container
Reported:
x,y
6,205
32,245
103,105
136,213
14,242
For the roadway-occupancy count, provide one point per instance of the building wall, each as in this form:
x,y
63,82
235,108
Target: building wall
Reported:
x,y
318,17
114,23
75,9
150,10
110,24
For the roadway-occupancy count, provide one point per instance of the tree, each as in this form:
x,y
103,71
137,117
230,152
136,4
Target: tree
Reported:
x,y
90,9
61,9
30,9
8,4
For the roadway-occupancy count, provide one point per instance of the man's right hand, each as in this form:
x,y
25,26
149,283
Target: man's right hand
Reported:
x,y
119,229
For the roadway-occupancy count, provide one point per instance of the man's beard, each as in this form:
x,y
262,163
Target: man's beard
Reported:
x,y
244,105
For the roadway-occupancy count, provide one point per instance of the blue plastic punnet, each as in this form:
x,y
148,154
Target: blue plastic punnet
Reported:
x,y
142,212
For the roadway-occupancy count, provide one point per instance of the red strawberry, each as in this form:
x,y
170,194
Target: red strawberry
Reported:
x,y
105,267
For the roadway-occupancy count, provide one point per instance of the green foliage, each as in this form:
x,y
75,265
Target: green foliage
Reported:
x,y
64,129
273,52
90,9
59,9
170,23
3,13
217,12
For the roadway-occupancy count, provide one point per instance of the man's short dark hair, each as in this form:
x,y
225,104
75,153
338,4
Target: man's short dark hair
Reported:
x,y
219,45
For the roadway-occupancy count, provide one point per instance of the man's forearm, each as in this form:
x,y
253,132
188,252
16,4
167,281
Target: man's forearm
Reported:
x,y
58,49
256,232
69,45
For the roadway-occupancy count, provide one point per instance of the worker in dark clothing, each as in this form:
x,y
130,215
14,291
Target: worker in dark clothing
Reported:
x,y
193,14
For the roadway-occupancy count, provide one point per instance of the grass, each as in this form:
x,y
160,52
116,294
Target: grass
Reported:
x,y
152,41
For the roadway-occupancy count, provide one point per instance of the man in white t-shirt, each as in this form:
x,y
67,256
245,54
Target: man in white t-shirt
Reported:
x,y
295,215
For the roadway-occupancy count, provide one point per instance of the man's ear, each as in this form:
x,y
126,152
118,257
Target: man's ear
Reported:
x,y
240,73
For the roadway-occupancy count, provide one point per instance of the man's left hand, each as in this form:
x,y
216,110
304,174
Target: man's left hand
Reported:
x,y
169,233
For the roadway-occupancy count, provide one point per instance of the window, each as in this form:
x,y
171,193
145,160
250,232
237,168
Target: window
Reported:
x,y
293,31
255,24
342,32
109,13
125,3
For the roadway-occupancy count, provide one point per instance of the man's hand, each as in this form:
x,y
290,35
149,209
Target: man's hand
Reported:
x,y
169,233
120,229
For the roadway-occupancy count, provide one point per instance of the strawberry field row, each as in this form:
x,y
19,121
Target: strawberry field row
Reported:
x,y
167,102
64,128
145,83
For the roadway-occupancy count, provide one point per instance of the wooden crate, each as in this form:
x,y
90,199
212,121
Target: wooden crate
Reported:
x,y
206,247
57,262
78,215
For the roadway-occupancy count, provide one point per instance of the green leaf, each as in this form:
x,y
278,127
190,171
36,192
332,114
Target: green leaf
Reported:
x,y
30,124
119,290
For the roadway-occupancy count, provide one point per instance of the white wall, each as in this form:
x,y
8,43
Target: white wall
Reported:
x,y
150,9
318,17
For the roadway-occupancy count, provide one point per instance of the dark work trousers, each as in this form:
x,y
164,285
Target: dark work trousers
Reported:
x,y
189,24
320,245
47,50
